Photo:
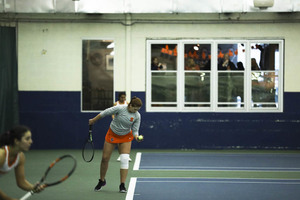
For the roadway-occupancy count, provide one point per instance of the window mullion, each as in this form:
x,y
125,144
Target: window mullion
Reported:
x,y
180,76
148,77
247,81
214,77
280,77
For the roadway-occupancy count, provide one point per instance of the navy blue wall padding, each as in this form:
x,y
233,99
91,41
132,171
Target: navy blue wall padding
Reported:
x,y
58,123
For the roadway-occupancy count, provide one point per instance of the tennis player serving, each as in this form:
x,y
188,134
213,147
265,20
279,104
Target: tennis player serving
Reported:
x,y
123,129
13,143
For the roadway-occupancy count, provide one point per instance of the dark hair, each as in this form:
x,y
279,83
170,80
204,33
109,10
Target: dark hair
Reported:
x,y
136,102
8,138
121,93
240,66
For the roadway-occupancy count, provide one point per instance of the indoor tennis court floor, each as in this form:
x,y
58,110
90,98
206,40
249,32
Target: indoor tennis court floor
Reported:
x,y
172,174
215,188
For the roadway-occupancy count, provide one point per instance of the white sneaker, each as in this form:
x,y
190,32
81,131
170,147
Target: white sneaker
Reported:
x,y
119,159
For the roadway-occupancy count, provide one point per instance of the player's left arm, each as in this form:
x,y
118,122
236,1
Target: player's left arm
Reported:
x,y
20,175
136,126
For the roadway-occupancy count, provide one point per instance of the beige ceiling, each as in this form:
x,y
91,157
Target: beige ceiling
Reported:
x,y
144,6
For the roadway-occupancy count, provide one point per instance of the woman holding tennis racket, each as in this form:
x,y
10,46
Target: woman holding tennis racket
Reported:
x,y
123,129
13,143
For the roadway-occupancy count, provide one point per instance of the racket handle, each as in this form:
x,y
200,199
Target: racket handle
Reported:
x,y
27,195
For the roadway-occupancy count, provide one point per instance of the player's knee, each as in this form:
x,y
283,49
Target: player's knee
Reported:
x,y
124,159
105,159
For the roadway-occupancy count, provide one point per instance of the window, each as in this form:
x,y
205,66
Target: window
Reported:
x,y
164,75
231,72
197,75
265,69
214,75
97,74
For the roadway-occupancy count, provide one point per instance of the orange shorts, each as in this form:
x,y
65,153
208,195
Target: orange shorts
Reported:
x,y
111,137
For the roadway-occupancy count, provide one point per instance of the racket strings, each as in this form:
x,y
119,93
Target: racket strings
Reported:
x,y
88,151
59,171
88,148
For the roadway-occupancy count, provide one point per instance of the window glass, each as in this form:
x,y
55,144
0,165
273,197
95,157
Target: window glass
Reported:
x,y
264,89
164,88
231,57
197,89
231,89
197,57
264,56
163,57
97,74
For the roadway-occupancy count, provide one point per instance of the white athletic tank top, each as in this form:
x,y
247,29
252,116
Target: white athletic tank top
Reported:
x,y
8,166
118,103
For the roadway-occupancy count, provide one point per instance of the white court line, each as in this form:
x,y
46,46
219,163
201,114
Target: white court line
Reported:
x,y
225,181
220,168
137,161
205,154
131,189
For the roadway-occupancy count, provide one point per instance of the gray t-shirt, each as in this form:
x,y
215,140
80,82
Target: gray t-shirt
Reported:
x,y
124,121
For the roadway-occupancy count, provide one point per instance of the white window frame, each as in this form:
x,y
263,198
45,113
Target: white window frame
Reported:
x,y
214,76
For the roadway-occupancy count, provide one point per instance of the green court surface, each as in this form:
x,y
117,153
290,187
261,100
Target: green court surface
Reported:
x,y
80,186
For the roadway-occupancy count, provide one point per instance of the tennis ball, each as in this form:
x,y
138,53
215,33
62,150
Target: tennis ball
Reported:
x,y
141,137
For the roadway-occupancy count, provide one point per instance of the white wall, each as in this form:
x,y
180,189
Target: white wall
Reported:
x,y
59,68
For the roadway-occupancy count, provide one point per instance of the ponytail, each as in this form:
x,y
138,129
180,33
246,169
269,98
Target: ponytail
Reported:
x,y
8,138
4,138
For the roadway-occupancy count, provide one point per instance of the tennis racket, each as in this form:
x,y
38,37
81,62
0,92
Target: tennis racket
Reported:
x,y
88,150
58,171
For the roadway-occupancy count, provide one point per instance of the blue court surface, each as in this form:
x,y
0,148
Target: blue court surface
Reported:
x,y
226,183
212,189
218,161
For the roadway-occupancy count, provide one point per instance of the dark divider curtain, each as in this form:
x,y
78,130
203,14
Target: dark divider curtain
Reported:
x,y
9,111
